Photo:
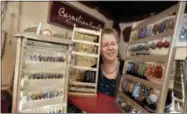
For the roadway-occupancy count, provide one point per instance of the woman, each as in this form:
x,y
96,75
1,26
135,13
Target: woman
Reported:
x,y
108,72
108,67
109,64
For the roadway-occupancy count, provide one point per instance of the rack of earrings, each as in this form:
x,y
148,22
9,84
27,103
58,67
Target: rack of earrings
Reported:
x,y
142,97
149,73
84,62
43,75
149,56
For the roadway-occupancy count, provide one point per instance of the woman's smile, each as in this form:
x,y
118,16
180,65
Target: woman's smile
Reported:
x,y
111,53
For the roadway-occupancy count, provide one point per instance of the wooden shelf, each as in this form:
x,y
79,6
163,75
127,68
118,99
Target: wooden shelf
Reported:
x,y
178,82
118,105
83,68
178,90
86,42
179,100
84,54
82,94
142,81
44,38
86,31
82,89
82,83
130,101
152,58
151,38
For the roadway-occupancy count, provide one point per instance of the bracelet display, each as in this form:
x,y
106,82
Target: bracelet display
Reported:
x,y
46,58
44,95
85,37
46,76
144,70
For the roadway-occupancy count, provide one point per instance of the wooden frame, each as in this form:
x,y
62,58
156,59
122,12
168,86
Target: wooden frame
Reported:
x,y
92,32
16,76
168,59
21,43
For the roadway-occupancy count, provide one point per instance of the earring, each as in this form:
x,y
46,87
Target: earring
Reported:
x,y
28,98
31,57
152,45
155,28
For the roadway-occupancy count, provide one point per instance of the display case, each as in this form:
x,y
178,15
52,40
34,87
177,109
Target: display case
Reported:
x,y
145,82
41,74
84,65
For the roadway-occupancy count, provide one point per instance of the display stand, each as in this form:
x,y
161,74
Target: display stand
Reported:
x,y
41,74
84,56
179,86
149,60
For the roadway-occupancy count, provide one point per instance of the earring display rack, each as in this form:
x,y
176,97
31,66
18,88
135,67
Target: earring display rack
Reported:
x,y
85,53
41,74
149,60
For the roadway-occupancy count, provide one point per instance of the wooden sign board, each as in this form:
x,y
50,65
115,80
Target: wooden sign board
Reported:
x,y
63,14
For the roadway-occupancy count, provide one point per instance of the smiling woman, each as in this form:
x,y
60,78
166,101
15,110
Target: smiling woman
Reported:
x,y
109,64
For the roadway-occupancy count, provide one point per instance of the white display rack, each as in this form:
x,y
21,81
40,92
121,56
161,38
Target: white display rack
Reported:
x,y
81,90
83,68
166,59
42,65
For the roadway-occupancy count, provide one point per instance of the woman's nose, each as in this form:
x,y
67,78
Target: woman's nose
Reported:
x,y
110,47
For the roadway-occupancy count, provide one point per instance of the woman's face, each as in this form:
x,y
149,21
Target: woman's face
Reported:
x,y
109,47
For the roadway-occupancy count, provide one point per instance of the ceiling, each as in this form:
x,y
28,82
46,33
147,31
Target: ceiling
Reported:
x,y
124,11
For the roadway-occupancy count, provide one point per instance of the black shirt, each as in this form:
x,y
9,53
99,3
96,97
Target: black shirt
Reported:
x,y
105,85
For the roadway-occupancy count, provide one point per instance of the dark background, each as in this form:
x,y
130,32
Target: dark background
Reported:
x,y
124,11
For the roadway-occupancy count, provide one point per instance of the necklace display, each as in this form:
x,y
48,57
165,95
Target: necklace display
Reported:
x,y
149,55
43,79
85,54
112,72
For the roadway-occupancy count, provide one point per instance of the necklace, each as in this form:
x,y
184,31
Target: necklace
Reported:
x,y
111,71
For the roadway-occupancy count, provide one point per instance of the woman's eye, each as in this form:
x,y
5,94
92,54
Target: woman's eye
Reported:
x,y
113,43
104,45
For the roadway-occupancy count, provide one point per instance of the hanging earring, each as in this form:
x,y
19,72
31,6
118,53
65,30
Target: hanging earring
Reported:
x,y
155,29
31,57
28,98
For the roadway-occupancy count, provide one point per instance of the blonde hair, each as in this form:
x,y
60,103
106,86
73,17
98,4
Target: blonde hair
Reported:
x,y
110,31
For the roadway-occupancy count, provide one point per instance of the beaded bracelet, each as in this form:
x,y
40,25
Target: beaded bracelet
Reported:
x,y
45,95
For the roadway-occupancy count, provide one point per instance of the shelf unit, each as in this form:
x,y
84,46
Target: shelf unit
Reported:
x,y
150,38
153,58
41,74
166,59
130,101
90,39
143,81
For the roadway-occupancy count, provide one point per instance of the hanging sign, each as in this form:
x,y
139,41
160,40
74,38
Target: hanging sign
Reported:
x,y
61,13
